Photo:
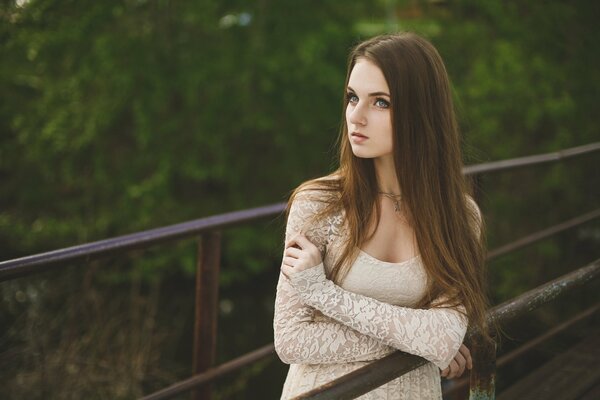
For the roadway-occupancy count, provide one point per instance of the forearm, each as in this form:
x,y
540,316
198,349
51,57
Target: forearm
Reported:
x,y
435,334
301,340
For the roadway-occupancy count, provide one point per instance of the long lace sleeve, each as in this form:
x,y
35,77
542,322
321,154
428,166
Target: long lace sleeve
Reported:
x,y
299,339
434,334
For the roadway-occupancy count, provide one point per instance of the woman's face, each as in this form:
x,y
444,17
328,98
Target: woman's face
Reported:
x,y
368,113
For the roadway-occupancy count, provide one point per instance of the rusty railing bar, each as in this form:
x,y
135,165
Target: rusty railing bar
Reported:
x,y
11,269
502,313
27,265
505,359
365,379
533,298
212,374
206,308
539,235
496,166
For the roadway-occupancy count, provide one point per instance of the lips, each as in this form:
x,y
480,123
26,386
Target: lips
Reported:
x,y
358,138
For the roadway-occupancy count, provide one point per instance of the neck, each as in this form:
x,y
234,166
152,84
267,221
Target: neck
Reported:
x,y
387,180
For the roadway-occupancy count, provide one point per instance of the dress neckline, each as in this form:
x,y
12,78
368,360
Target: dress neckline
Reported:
x,y
408,261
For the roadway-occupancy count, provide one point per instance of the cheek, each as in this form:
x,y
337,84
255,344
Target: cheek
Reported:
x,y
384,122
348,112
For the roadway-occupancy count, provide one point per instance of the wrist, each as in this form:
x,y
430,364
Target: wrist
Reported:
x,y
304,280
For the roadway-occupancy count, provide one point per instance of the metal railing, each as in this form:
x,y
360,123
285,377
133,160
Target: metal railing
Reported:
x,y
208,261
401,360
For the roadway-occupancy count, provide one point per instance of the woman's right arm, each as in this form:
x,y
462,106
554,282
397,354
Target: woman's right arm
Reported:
x,y
300,340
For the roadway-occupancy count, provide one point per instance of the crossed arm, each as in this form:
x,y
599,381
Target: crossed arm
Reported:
x,y
359,328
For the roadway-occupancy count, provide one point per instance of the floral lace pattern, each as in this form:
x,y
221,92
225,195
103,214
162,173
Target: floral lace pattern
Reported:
x,y
364,319
395,283
434,334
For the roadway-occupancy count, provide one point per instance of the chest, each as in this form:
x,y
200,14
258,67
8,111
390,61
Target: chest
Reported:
x,y
401,284
400,278
393,239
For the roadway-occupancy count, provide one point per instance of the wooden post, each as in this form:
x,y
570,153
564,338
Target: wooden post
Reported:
x,y
483,374
207,297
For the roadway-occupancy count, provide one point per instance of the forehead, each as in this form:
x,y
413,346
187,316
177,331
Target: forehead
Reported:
x,y
366,76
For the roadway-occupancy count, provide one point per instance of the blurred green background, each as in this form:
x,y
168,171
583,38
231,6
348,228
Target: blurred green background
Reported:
x,y
119,116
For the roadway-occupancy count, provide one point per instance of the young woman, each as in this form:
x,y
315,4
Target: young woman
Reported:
x,y
385,253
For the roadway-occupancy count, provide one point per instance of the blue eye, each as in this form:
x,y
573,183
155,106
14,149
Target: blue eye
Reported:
x,y
352,98
382,103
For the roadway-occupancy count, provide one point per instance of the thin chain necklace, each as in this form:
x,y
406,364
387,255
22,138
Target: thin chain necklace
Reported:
x,y
396,198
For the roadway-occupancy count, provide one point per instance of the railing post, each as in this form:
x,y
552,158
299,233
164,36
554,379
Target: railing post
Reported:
x,y
483,374
207,297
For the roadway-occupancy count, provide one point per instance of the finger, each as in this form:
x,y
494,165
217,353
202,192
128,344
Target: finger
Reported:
x,y
453,369
445,372
456,369
464,350
287,270
460,360
292,252
291,262
302,241
290,237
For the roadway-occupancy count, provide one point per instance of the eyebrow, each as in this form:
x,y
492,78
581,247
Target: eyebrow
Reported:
x,y
372,94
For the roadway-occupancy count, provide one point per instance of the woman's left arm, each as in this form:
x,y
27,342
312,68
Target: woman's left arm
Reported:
x,y
435,334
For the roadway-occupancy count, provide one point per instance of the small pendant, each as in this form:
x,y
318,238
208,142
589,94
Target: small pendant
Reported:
x,y
396,205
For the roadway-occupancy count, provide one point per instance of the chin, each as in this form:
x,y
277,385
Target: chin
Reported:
x,y
361,153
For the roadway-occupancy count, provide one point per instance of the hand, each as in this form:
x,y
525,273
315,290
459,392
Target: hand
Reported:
x,y
457,366
299,254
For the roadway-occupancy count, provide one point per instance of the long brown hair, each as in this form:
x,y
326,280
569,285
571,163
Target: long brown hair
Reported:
x,y
428,161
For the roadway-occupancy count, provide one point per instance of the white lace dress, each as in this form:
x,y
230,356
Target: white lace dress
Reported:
x,y
366,318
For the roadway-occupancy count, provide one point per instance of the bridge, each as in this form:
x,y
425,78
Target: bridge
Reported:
x,y
572,374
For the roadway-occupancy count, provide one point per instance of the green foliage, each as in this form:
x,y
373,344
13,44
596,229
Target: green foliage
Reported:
x,y
131,115
523,74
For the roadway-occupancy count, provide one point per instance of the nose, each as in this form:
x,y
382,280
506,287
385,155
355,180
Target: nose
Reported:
x,y
356,114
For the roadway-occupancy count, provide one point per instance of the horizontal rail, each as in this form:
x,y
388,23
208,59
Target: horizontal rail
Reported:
x,y
497,166
22,266
539,235
505,359
367,378
532,299
27,265
212,374
382,371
